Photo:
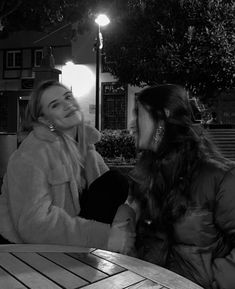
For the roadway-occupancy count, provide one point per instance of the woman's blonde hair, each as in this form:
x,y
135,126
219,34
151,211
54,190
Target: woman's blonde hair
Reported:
x,y
34,109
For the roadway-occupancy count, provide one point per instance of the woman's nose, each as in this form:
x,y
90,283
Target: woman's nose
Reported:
x,y
132,125
67,105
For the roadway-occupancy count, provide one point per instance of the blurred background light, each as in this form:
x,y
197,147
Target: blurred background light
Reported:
x,y
79,78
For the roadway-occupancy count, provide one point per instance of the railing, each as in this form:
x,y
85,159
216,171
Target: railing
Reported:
x,y
224,138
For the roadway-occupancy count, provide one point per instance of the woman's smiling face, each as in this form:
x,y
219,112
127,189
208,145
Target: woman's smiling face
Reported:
x,y
60,108
148,131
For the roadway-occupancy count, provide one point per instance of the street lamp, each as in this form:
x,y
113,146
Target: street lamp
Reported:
x,y
101,20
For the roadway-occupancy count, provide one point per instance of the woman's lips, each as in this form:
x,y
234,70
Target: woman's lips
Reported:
x,y
72,112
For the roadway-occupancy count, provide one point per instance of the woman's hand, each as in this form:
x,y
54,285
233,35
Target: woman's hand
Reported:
x,y
121,238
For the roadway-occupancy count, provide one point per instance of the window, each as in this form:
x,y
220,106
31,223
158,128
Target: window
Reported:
x,y
13,59
37,57
114,106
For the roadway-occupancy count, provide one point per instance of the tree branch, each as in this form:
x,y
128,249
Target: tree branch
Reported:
x,y
11,10
2,5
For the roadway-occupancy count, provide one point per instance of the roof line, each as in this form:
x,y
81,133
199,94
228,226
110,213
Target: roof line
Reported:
x,y
36,41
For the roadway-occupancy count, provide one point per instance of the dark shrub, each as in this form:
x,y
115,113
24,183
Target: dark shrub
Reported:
x,y
117,146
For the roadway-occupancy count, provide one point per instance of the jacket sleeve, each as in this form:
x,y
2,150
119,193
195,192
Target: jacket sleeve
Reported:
x,y
38,220
224,267
94,166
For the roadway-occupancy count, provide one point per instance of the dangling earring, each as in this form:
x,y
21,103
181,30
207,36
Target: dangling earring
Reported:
x,y
51,127
159,134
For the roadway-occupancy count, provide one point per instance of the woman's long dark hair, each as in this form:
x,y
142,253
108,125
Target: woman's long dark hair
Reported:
x,y
162,179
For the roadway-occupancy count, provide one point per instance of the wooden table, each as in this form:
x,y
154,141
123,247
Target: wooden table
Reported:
x,y
54,267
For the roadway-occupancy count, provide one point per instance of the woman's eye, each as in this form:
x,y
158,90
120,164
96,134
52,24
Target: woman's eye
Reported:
x,y
55,105
68,96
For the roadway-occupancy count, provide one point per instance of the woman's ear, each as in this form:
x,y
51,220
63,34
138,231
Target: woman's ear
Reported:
x,y
167,112
47,123
43,120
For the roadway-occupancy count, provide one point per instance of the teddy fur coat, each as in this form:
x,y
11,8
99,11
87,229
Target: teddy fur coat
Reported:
x,y
40,193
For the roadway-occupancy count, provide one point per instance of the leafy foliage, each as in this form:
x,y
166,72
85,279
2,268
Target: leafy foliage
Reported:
x,y
117,146
190,42
42,15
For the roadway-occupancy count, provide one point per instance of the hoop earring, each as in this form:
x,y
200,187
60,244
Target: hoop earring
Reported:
x,y
159,134
51,127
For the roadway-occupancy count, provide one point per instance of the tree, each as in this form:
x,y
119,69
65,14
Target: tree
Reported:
x,y
190,42
16,15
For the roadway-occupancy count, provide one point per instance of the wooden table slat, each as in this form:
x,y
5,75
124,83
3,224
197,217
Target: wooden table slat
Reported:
x,y
58,274
9,282
146,284
32,266
119,281
99,263
153,272
83,270
25,274
42,248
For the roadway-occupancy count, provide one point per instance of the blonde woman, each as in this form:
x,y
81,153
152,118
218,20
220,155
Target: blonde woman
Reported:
x,y
57,188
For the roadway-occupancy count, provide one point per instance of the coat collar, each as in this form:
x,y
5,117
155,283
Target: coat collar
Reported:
x,y
43,132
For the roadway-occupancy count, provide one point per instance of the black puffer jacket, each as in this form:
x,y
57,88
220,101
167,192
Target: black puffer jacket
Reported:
x,y
203,242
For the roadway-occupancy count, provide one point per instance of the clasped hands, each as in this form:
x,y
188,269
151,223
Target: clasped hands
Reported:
x,y
122,233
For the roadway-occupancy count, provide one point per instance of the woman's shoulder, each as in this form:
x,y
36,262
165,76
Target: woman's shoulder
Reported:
x,y
218,170
33,142
34,149
208,180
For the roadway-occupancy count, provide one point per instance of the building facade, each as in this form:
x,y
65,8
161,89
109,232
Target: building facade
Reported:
x,y
20,56
20,59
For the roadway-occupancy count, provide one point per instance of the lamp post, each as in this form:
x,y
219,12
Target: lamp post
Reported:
x,y
101,20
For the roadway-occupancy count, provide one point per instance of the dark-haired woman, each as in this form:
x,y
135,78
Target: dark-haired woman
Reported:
x,y
183,191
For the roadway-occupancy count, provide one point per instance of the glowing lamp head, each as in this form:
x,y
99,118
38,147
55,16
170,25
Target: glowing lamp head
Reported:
x,y
102,20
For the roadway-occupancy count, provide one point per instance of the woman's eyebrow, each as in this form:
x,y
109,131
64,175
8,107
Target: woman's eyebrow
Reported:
x,y
53,101
67,92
